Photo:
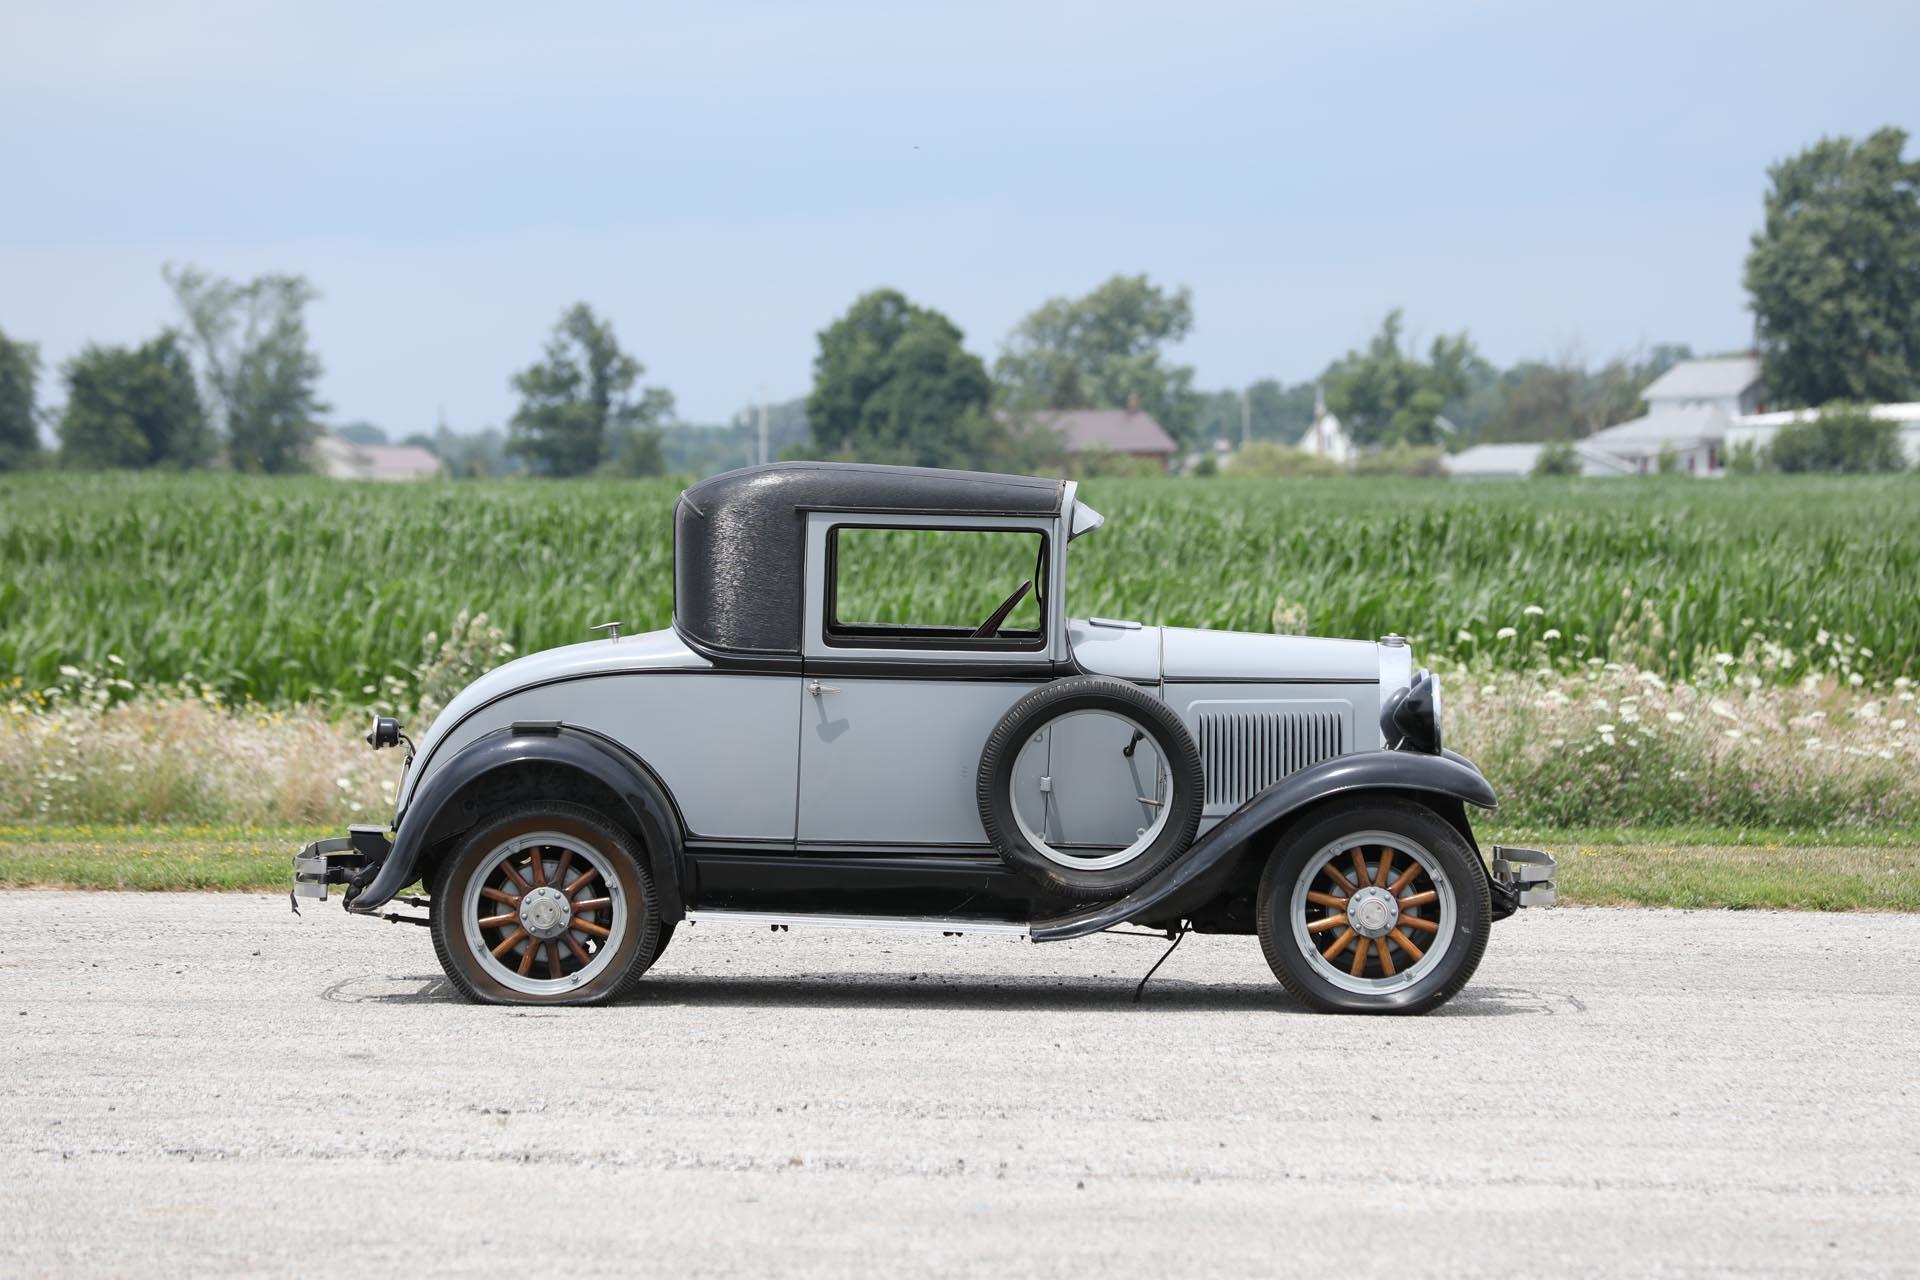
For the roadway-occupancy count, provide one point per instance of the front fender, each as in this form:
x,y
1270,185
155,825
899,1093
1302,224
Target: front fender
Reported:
x,y
1451,775
645,807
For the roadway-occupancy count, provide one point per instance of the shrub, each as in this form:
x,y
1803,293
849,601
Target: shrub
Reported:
x,y
1420,461
1557,459
1746,459
1265,458
1843,437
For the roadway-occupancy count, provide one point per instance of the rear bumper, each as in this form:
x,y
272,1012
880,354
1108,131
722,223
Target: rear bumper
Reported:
x,y
344,860
1525,875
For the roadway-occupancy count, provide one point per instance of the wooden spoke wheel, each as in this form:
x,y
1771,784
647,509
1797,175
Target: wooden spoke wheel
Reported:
x,y
1372,911
544,913
1376,904
548,904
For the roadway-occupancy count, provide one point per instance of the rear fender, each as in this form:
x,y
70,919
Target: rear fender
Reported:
x,y
446,804
1448,782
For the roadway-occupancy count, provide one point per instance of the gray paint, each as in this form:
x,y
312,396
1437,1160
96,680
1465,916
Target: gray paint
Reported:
x,y
1108,647
724,745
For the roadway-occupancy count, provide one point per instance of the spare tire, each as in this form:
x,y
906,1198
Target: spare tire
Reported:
x,y
1166,781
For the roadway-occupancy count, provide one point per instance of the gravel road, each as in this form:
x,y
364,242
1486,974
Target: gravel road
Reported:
x,y
206,1083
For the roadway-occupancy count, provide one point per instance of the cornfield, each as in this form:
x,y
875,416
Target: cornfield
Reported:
x,y
303,590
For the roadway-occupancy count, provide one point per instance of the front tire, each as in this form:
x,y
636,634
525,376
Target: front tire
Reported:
x,y
1374,905
545,904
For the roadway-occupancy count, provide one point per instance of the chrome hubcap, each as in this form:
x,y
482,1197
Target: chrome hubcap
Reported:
x,y
1373,912
545,912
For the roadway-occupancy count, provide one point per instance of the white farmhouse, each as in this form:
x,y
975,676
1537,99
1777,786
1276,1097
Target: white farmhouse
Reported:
x,y
1689,410
1730,384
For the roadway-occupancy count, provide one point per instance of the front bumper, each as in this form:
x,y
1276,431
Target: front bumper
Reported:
x,y
1524,876
345,860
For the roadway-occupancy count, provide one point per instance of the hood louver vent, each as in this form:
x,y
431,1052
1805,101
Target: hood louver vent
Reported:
x,y
1245,752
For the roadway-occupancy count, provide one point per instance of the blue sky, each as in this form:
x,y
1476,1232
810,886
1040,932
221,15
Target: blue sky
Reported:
x,y
722,180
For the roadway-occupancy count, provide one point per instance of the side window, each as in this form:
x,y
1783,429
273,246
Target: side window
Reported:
x,y
935,588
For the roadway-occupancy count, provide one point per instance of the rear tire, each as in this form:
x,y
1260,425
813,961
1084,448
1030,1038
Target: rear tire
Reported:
x,y
545,904
1403,941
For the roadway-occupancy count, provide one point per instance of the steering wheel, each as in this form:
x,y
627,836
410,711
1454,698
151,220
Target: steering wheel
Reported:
x,y
992,625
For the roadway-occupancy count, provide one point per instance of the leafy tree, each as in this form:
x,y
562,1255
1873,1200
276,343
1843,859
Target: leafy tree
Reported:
x,y
892,383
1538,400
577,409
262,375
19,420
1095,352
134,407
361,433
1844,437
1557,459
1834,273
1274,412
1385,396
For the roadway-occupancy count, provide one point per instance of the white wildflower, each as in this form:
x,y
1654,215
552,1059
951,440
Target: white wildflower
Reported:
x,y
1723,659
71,673
1465,636
1533,611
1606,729
345,784
1856,679
1551,633
116,660
1676,717
1607,738
1505,633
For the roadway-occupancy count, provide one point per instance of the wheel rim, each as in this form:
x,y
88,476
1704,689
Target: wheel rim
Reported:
x,y
1373,913
1146,771
543,913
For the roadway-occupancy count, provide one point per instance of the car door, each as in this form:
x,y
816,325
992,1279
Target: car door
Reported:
x,y
900,695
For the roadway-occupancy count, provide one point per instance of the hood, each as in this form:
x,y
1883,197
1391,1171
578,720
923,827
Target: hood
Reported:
x,y
1191,654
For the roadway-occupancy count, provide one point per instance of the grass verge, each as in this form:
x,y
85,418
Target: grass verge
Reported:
x,y
1675,867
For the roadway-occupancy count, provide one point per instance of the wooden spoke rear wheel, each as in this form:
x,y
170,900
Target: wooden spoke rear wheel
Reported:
x,y
549,904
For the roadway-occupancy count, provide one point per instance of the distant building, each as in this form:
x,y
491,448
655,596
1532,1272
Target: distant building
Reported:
x,y
1690,408
1502,461
1130,431
1693,435
1326,438
340,459
1730,384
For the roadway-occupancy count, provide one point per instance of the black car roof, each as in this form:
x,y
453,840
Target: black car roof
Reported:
x,y
739,538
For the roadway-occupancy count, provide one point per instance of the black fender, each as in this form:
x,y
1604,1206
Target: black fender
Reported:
x,y
1450,775
645,807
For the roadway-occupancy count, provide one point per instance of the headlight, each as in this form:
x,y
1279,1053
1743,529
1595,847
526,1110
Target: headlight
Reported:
x,y
1410,717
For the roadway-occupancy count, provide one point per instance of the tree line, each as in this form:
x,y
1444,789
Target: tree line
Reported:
x,y
1833,275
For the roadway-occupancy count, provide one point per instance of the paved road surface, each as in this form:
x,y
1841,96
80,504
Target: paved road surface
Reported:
x,y
206,1083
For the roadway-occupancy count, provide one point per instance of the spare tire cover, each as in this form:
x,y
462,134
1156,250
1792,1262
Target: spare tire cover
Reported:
x,y
1097,735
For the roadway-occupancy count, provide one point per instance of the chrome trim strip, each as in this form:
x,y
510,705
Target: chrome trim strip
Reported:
x,y
908,924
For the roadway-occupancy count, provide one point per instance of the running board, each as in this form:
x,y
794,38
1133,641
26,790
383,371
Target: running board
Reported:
x,y
911,924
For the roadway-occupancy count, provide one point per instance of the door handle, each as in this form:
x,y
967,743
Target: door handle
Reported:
x,y
815,688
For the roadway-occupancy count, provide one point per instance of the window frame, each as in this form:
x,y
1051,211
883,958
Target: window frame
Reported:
x,y
945,641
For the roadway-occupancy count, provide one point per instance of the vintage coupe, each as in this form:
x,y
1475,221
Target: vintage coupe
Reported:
x,y
812,744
